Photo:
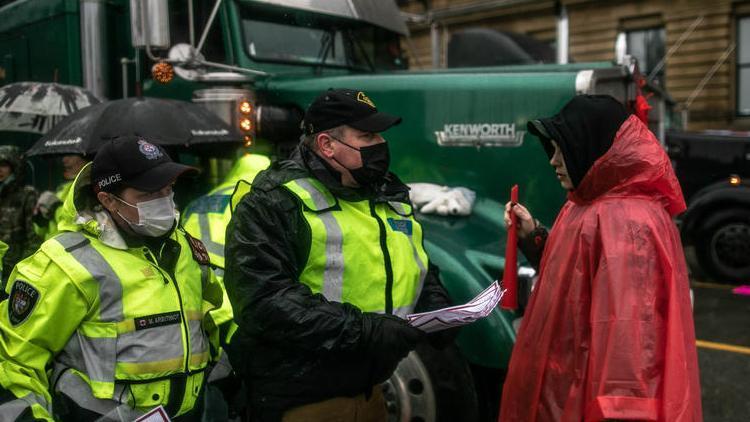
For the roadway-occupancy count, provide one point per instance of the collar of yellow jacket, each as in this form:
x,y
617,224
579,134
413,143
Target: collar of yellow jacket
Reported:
x,y
83,213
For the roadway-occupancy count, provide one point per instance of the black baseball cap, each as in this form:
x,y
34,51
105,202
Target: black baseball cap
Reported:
x,y
337,107
134,161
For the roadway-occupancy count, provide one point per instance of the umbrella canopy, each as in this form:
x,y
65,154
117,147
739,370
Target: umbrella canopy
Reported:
x,y
38,106
165,122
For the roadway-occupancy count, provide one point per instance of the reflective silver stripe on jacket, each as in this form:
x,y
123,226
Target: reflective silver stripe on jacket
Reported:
x,y
150,345
205,227
77,390
99,357
198,341
99,354
399,207
11,410
402,311
333,275
110,287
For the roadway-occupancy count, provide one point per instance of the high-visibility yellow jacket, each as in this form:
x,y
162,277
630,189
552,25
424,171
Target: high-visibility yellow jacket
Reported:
x,y
207,217
3,249
49,228
105,328
311,267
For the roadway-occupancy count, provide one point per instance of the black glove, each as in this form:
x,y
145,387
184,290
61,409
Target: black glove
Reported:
x,y
390,340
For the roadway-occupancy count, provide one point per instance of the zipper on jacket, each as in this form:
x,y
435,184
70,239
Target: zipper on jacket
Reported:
x,y
386,259
186,329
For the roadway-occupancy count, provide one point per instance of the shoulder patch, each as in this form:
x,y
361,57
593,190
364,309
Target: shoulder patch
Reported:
x,y
21,302
200,254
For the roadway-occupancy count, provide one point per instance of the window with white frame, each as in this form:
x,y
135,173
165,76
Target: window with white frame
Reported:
x,y
647,45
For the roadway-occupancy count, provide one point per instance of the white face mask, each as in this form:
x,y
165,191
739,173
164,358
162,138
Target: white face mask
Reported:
x,y
155,217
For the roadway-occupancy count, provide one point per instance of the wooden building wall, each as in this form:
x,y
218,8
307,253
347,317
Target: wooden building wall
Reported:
x,y
594,25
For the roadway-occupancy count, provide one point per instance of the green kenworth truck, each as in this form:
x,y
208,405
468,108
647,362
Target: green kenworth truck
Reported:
x,y
259,63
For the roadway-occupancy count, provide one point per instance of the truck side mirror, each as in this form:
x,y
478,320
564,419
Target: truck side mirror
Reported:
x,y
149,23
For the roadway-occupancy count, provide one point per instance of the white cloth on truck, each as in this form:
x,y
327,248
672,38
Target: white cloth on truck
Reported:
x,y
430,198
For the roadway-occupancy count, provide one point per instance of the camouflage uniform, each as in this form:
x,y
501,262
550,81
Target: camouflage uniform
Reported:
x,y
16,212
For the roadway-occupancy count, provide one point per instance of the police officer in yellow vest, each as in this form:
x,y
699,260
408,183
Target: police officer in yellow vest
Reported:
x,y
108,318
324,260
207,217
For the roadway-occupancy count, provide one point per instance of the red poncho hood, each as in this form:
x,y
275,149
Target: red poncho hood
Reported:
x,y
635,165
608,333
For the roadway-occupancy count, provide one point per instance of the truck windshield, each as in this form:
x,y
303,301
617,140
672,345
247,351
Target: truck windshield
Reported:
x,y
292,38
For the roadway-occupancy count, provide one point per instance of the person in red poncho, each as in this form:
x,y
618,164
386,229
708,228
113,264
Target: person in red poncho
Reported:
x,y
608,333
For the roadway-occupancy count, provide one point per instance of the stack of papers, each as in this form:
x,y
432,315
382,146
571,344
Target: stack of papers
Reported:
x,y
456,316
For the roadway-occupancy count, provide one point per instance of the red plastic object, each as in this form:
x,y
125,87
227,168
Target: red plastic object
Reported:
x,y
510,274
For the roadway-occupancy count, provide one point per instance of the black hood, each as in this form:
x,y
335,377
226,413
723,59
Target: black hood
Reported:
x,y
584,129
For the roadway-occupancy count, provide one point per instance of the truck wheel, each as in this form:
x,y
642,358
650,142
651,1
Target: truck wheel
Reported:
x,y
724,246
431,385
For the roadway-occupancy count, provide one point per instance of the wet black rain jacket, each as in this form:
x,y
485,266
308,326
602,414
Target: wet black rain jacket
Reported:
x,y
294,347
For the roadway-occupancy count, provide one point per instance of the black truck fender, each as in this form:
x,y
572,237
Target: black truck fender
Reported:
x,y
712,198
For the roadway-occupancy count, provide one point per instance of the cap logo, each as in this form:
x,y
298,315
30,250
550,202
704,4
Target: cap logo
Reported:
x,y
362,98
149,150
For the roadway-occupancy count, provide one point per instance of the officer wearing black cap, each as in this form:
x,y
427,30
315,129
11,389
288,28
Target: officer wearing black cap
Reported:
x,y
324,259
109,318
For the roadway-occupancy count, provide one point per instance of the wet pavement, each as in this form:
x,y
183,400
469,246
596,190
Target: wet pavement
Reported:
x,y
722,328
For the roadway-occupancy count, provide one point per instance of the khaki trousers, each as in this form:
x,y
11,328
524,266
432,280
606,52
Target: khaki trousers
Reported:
x,y
342,409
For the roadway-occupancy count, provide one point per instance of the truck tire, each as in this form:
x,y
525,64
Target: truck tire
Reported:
x,y
431,385
723,245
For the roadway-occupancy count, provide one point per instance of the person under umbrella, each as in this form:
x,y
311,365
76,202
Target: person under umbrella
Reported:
x,y
608,333
16,210
47,212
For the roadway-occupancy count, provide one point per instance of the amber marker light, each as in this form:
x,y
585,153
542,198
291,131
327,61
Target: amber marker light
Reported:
x,y
246,107
735,180
246,125
162,72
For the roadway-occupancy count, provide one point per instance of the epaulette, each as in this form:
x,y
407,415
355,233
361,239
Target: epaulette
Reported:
x,y
200,254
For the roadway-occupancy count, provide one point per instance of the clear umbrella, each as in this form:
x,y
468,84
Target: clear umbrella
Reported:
x,y
170,123
36,107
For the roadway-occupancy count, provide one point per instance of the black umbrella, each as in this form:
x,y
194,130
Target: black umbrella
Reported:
x,y
166,122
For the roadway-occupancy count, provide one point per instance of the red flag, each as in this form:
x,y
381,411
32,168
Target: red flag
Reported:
x,y
640,105
641,108
510,274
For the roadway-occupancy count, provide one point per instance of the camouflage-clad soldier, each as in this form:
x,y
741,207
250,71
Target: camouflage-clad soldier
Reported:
x,y
17,202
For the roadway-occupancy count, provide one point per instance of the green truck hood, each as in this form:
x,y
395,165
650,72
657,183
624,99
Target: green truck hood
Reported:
x,y
438,102
469,250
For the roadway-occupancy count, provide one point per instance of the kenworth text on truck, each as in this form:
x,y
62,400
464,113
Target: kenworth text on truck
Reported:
x,y
259,63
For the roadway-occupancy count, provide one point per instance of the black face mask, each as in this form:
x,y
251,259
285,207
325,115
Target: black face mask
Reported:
x,y
375,162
